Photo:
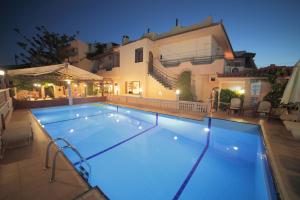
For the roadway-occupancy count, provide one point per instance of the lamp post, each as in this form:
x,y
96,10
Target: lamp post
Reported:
x,y
177,92
141,92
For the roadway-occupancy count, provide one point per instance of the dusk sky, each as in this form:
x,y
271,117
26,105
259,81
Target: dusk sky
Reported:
x,y
271,29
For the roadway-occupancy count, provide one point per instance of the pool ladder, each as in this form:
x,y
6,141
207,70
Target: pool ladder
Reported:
x,y
83,172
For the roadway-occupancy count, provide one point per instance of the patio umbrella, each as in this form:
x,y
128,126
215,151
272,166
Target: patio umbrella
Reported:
x,y
292,91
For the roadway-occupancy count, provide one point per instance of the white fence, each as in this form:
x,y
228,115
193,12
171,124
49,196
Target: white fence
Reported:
x,y
185,106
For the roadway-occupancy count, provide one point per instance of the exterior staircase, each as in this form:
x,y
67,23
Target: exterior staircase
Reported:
x,y
162,77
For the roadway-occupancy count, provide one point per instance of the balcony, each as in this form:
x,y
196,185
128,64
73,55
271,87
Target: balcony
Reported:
x,y
193,60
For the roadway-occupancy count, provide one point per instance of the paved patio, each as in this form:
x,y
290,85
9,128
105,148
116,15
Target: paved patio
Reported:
x,y
22,175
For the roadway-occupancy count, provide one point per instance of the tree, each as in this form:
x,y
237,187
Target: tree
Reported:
x,y
45,47
184,84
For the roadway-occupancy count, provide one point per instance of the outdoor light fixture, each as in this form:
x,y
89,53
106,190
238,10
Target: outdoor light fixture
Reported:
x,y
68,81
2,73
241,91
177,92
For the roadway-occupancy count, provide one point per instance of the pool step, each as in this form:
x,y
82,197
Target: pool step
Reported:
x,y
91,194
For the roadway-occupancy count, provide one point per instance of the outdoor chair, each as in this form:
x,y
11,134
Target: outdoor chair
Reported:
x,y
235,105
17,134
293,127
264,107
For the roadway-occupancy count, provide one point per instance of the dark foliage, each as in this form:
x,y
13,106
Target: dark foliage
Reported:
x,y
45,47
184,84
225,97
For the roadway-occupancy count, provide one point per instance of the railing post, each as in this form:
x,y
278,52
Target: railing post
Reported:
x,y
47,154
52,179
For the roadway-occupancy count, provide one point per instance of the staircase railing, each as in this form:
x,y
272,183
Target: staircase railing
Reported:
x,y
195,60
162,77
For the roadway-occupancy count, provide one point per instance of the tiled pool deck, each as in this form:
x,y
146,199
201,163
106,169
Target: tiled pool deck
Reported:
x,y
22,175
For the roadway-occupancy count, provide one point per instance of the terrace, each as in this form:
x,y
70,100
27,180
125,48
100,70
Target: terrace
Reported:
x,y
26,133
20,163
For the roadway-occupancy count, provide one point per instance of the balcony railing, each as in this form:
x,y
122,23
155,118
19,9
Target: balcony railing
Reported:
x,y
193,60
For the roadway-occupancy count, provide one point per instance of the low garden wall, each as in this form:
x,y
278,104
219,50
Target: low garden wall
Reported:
x,y
23,104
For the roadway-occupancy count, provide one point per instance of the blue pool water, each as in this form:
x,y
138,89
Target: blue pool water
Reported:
x,y
141,155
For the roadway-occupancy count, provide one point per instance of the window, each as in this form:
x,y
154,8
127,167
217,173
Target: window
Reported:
x,y
133,87
255,88
139,55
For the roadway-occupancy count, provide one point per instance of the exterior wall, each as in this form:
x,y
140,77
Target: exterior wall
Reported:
x,y
129,70
245,83
22,104
197,47
79,59
199,43
156,91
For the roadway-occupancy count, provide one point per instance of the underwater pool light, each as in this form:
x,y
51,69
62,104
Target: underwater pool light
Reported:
x,y
235,148
206,129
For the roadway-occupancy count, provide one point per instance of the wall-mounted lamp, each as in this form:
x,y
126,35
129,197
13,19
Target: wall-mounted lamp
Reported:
x,y
2,73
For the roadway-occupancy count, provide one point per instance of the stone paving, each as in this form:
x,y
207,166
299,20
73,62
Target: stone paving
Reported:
x,y
22,175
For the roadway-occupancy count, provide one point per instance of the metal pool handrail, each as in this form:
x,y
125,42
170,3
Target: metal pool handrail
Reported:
x,y
60,150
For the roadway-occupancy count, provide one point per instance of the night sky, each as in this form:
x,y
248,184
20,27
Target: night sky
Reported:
x,y
270,28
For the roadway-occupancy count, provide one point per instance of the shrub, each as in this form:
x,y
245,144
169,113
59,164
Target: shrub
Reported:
x,y
226,95
184,84
274,96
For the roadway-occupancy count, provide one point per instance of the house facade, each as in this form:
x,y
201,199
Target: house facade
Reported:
x,y
151,65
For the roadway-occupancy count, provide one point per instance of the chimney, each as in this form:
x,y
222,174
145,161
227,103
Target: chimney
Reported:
x,y
177,22
125,39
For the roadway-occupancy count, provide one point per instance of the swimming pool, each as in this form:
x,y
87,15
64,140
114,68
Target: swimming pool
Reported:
x,y
141,155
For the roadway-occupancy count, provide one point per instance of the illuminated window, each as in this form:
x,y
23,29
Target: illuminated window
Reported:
x,y
133,87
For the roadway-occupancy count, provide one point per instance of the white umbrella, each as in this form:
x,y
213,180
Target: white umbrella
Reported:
x,y
292,91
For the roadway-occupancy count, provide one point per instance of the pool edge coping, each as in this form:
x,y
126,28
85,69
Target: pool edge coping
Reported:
x,y
277,179
63,154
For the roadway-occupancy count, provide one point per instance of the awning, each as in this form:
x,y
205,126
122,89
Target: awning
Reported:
x,y
65,70
292,91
